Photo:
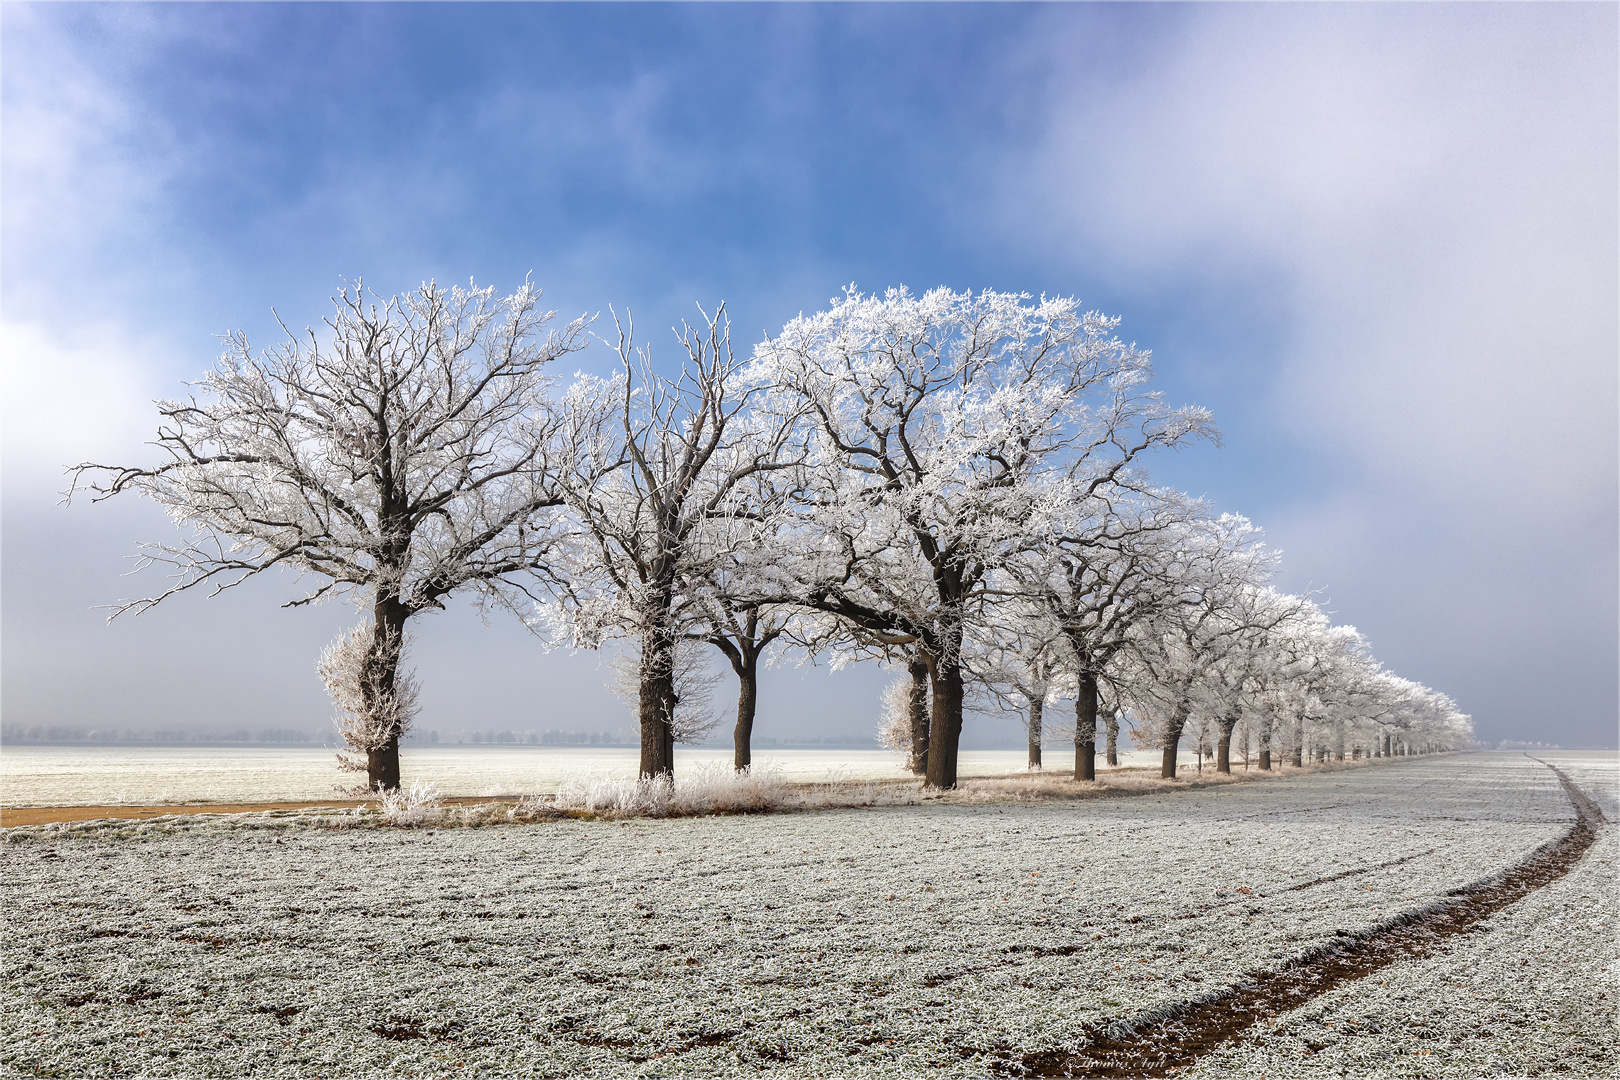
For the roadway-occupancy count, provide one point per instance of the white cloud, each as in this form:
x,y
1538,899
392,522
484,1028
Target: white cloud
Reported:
x,y
63,402
1437,187
83,164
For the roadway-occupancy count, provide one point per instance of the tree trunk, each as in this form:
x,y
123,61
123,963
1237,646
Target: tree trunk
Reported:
x,y
1085,727
1265,760
1172,741
1113,737
1036,706
917,668
382,766
945,729
657,699
379,682
742,739
743,653
1223,752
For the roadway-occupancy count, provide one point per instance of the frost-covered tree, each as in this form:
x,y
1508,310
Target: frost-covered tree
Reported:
x,y
406,452
742,629
1429,722
692,715
1216,565
682,508
725,606
1271,688
903,714
917,712
368,715
1315,662
1018,658
1238,675
1110,711
903,711
931,416
1099,568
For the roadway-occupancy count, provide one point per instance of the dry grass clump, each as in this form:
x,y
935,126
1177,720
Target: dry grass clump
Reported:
x,y
420,804
713,789
707,789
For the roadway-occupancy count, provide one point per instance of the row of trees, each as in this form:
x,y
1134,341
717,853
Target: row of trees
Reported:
x,y
1227,663
949,483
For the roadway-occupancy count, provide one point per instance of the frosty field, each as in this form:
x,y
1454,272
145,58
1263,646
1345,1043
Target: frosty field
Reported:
x,y
885,941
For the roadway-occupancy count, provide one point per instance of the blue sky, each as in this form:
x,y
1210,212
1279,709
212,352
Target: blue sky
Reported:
x,y
1378,240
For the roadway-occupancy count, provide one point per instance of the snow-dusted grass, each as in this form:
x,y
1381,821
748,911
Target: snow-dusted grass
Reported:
x,y
1533,992
883,941
708,789
716,788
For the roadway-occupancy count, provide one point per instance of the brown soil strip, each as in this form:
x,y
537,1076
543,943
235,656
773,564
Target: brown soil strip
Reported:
x,y
49,815
1174,1036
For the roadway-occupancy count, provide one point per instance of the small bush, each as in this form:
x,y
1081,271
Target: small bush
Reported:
x,y
419,805
707,789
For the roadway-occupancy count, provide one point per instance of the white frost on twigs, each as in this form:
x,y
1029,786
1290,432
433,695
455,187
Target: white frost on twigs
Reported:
x,y
416,805
369,712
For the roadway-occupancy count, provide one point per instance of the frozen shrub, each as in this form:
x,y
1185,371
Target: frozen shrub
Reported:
x,y
608,795
720,788
418,805
707,789
894,724
376,702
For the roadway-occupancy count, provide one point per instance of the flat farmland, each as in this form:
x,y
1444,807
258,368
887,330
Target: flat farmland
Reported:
x,y
947,938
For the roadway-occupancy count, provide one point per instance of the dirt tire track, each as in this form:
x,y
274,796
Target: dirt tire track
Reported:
x,y
1174,1036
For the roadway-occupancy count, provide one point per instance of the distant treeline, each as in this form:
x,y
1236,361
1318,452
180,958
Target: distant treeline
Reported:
x,y
61,733
538,738
619,738
831,742
632,738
